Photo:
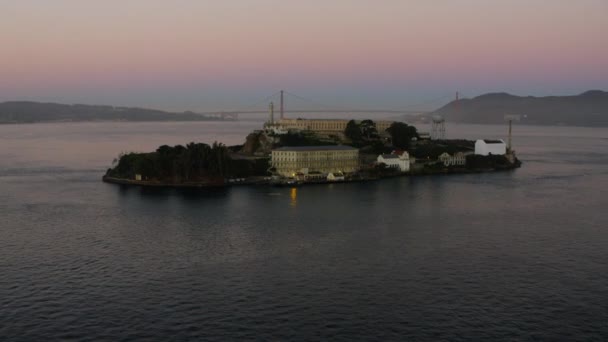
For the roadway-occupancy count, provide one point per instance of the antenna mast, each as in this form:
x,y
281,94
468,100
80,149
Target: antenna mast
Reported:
x,y
282,106
510,119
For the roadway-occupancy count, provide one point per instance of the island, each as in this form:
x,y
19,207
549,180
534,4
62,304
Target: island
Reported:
x,y
312,151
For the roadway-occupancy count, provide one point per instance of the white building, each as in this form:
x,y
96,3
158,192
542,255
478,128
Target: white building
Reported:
x,y
310,160
458,159
335,176
396,161
486,147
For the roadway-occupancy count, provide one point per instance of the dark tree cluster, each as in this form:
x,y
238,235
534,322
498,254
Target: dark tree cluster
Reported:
x,y
362,133
365,133
194,162
368,130
435,148
402,134
302,139
433,151
353,132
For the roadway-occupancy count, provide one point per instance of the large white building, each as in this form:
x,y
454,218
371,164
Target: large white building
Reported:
x,y
327,126
397,161
486,147
289,161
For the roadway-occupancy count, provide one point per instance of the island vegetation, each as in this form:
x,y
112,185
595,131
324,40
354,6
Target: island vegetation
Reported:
x,y
193,163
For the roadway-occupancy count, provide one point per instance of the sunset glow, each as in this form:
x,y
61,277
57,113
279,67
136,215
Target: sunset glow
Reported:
x,y
218,54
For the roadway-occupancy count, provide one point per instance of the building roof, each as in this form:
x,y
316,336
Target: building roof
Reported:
x,y
316,148
390,156
490,141
401,153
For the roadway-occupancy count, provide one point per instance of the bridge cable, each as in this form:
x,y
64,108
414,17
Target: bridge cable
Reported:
x,y
319,104
264,101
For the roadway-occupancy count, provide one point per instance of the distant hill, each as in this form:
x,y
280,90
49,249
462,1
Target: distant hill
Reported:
x,y
30,112
587,109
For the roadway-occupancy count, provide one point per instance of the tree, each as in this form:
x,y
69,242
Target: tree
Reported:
x,y
352,131
368,129
402,134
144,165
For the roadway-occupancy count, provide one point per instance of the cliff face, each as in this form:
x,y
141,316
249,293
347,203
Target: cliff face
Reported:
x,y
587,109
258,143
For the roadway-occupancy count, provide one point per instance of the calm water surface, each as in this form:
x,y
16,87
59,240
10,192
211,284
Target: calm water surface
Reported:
x,y
520,255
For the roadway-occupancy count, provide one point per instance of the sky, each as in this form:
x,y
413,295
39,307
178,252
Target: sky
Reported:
x,y
230,55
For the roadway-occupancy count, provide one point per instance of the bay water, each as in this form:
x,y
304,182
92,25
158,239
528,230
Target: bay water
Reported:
x,y
519,255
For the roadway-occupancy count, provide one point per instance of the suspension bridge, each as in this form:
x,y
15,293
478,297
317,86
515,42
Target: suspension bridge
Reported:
x,y
312,108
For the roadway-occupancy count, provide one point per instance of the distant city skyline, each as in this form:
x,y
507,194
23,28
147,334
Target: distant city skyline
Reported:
x,y
212,55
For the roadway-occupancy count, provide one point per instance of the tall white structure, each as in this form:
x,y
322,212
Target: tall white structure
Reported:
x,y
486,147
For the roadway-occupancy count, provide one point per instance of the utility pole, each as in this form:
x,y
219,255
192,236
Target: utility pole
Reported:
x,y
282,106
509,141
510,119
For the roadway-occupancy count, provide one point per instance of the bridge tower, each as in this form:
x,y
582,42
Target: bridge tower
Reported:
x,y
271,112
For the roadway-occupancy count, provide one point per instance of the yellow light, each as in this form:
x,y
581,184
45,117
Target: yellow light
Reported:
x,y
294,197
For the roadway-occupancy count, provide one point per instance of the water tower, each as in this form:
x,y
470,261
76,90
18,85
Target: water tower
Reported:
x,y
438,127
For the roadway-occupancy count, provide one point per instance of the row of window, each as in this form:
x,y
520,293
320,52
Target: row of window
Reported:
x,y
317,158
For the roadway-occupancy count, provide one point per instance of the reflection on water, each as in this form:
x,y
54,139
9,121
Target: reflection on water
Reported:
x,y
293,195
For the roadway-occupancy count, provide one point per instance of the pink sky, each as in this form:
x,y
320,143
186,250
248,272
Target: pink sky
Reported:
x,y
187,54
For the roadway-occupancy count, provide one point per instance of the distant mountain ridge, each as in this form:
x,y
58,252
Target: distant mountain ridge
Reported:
x,y
30,112
587,109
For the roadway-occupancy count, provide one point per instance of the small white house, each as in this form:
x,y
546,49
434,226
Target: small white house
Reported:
x,y
458,159
335,176
396,161
495,147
